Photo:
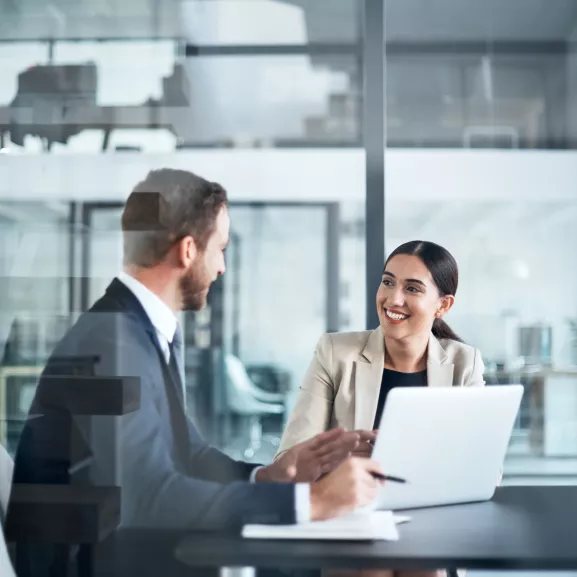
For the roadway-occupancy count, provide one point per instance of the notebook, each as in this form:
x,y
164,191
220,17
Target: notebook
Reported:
x,y
373,526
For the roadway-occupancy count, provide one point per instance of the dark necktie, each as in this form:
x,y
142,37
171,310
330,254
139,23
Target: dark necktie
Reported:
x,y
176,360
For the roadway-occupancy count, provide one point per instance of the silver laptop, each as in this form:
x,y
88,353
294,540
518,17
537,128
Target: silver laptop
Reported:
x,y
448,443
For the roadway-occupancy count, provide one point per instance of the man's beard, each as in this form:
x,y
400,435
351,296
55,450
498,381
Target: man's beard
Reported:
x,y
193,287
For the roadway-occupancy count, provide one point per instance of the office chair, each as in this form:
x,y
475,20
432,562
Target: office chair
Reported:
x,y
244,398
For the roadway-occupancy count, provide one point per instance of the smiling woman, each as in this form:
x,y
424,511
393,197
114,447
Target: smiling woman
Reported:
x,y
351,374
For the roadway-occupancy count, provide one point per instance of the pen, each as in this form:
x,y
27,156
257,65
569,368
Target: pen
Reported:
x,y
391,478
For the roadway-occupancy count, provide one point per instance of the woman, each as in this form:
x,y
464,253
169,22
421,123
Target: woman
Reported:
x,y
351,374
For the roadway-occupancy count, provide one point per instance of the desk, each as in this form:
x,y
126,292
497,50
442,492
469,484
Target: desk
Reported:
x,y
523,528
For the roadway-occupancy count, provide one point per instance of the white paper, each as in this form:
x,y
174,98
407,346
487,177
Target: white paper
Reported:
x,y
377,525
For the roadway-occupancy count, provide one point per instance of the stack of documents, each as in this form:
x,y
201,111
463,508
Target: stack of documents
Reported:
x,y
376,525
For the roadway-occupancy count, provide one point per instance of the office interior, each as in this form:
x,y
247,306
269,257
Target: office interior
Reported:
x,y
271,99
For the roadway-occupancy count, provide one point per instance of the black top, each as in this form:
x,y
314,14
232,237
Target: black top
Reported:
x,y
392,379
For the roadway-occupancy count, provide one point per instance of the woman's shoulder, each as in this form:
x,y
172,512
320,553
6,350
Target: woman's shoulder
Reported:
x,y
467,362
343,343
458,351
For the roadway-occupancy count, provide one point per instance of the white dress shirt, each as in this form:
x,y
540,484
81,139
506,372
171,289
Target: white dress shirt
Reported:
x,y
165,323
159,313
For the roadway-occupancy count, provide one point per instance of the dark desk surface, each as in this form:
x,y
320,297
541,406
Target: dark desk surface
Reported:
x,y
521,528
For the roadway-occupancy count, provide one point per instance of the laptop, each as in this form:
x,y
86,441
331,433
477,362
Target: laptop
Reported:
x,y
448,443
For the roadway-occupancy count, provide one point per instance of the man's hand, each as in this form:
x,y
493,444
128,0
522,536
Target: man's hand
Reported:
x,y
366,444
310,460
349,487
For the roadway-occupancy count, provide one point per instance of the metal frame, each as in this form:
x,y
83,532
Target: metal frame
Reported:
x,y
310,49
332,268
374,144
393,48
74,259
235,244
460,47
80,39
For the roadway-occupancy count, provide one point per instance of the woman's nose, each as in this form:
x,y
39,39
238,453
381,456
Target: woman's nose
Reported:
x,y
395,298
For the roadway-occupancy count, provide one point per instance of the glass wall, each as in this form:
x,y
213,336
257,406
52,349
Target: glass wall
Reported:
x,y
262,96
267,98
497,76
34,303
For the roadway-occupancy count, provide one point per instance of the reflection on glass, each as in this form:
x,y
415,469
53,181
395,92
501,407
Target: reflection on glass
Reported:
x,y
273,101
128,72
480,75
262,22
482,100
82,102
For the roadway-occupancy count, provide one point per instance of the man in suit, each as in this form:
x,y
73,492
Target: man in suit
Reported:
x,y
175,231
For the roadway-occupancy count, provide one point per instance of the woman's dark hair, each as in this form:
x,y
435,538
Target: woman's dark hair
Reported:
x,y
445,273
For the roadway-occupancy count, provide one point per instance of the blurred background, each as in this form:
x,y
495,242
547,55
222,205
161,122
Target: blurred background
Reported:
x,y
271,99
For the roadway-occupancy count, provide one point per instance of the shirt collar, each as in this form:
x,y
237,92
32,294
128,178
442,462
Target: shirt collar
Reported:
x,y
158,311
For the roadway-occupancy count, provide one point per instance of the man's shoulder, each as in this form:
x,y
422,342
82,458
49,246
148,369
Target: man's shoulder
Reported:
x,y
108,324
108,340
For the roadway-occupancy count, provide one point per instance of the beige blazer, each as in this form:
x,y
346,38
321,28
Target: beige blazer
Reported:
x,y
342,384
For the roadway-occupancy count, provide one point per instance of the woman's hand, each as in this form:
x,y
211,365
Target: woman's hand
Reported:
x,y
366,443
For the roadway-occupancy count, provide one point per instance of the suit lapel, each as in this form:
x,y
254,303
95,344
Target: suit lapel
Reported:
x,y
439,369
368,376
127,301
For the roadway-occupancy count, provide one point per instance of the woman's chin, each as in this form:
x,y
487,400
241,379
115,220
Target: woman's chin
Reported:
x,y
393,331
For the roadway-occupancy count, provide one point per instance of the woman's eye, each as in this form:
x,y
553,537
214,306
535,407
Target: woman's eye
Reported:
x,y
387,282
412,289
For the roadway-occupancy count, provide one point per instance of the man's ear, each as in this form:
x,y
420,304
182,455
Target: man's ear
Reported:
x,y
186,251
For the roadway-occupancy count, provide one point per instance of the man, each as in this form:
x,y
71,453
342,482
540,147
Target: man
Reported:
x,y
175,231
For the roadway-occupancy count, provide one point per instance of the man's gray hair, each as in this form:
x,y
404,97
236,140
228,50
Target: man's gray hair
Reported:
x,y
165,207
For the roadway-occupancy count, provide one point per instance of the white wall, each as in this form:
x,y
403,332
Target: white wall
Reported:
x,y
314,175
